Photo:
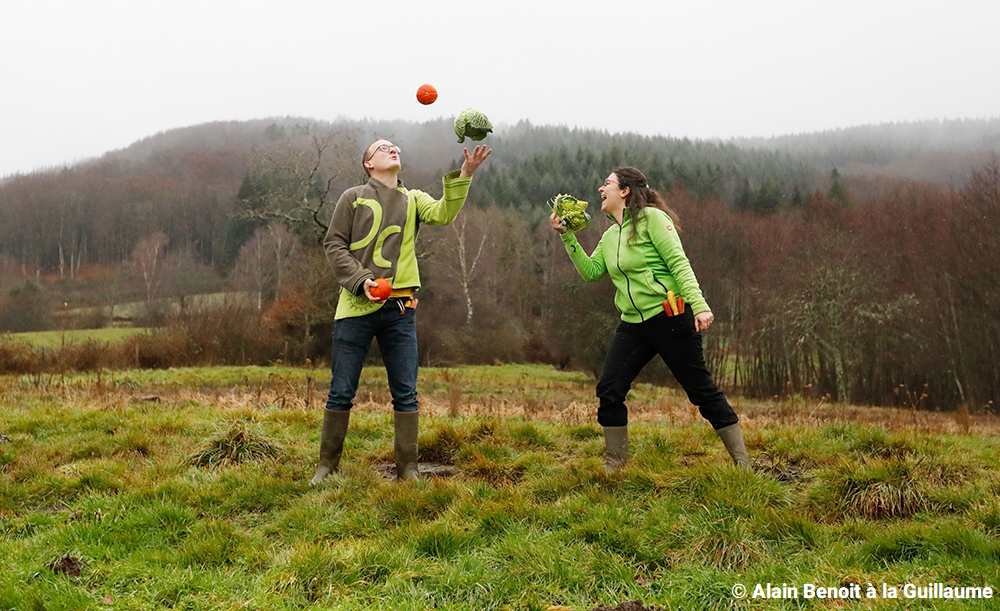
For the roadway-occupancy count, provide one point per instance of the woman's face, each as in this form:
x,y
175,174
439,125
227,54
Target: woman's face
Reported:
x,y
612,195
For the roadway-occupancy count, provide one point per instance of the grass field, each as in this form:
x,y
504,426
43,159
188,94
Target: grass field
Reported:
x,y
131,311
54,339
188,489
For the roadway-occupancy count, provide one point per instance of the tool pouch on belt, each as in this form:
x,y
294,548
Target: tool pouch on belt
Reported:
x,y
404,298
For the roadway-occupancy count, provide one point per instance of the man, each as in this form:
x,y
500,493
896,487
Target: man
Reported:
x,y
371,236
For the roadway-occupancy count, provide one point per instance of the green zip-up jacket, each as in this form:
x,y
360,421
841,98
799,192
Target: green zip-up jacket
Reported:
x,y
373,232
642,272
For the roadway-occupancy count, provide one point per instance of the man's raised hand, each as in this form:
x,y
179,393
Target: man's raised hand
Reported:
x,y
473,161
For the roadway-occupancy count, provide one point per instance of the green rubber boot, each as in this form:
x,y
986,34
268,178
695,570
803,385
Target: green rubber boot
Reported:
x,y
732,438
407,426
615,448
331,443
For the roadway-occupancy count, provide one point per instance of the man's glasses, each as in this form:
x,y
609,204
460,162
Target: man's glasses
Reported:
x,y
386,148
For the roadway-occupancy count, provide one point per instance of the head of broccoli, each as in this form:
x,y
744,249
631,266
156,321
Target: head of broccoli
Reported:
x,y
571,211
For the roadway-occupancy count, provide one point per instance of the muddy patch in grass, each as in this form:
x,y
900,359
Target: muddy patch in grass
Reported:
x,y
68,565
784,471
388,471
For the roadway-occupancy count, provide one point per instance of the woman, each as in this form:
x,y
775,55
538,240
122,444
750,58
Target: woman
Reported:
x,y
643,255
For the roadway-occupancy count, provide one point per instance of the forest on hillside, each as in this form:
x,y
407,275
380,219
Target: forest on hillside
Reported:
x,y
825,281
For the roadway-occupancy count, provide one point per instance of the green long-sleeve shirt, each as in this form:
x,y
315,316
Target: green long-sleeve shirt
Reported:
x,y
373,233
642,272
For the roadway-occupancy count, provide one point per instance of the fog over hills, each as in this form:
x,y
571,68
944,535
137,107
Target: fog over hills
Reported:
x,y
905,150
936,150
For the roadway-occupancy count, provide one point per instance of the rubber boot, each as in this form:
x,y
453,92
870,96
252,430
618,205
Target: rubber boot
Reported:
x,y
407,426
615,448
331,443
732,438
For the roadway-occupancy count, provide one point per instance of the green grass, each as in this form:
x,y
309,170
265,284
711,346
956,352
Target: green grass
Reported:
x,y
55,339
133,310
188,489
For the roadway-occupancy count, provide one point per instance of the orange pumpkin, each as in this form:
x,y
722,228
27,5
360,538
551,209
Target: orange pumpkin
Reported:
x,y
426,94
382,289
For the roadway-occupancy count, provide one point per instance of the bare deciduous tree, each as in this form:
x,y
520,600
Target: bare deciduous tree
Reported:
x,y
296,183
264,259
148,261
458,250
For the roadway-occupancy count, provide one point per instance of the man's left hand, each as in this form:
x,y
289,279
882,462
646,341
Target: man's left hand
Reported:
x,y
473,161
368,286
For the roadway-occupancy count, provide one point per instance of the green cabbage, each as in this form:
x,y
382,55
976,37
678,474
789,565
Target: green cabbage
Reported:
x,y
473,124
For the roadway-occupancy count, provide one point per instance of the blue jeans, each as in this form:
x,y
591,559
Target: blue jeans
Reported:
x,y
397,340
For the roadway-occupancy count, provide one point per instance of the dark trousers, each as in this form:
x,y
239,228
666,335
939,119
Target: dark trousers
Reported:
x,y
679,345
397,340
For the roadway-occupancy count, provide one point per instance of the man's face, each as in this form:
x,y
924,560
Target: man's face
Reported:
x,y
383,156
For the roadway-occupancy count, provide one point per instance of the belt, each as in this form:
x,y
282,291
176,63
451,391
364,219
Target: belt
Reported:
x,y
404,299
401,293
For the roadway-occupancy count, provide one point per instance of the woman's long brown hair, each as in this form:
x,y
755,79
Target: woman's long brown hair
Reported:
x,y
640,197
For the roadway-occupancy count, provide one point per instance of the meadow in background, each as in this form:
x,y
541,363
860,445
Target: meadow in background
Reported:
x,y
855,264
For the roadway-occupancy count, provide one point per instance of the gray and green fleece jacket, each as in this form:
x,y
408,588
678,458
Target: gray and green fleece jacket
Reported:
x,y
642,272
373,232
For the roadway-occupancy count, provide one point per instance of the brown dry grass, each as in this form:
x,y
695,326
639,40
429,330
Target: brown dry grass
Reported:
x,y
564,403
819,413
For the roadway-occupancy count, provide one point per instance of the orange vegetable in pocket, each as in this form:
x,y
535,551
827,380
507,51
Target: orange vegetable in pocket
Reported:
x,y
673,302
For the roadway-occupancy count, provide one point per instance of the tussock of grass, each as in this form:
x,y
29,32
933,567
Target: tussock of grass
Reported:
x,y
881,444
239,444
880,489
442,447
719,540
528,520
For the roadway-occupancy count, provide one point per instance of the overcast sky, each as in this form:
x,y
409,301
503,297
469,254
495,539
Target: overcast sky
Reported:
x,y
81,78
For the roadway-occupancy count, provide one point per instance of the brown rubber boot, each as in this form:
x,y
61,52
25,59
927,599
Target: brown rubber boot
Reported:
x,y
407,426
732,438
615,448
331,443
